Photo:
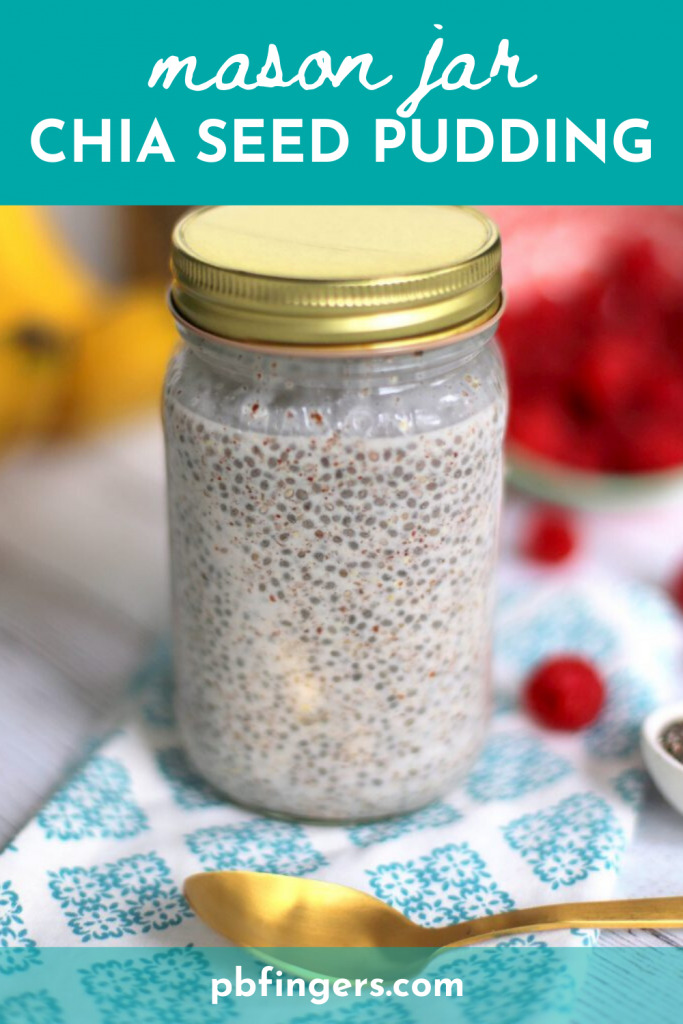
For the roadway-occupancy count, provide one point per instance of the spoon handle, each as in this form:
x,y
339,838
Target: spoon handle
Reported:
x,y
663,912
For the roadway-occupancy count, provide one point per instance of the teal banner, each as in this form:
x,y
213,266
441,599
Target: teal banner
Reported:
x,y
520,981
352,103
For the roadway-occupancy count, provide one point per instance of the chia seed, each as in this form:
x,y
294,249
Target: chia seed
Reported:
x,y
672,740
247,674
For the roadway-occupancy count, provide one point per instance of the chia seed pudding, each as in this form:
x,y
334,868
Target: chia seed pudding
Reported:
x,y
333,539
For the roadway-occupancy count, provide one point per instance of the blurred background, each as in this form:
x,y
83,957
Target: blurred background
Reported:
x,y
593,339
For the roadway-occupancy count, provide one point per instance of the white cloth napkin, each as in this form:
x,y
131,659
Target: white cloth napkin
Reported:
x,y
542,817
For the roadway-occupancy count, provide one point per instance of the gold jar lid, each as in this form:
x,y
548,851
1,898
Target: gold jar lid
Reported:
x,y
344,276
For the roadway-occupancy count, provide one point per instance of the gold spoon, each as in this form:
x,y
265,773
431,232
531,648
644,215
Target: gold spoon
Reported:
x,y
262,911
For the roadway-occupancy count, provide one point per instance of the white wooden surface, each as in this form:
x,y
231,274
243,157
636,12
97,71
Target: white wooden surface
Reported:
x,y
83,585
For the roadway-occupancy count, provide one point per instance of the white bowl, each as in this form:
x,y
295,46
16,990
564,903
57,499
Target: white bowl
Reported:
x,y
595,491
666,771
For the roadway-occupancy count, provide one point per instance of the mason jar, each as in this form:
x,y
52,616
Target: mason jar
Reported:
x,y
334,422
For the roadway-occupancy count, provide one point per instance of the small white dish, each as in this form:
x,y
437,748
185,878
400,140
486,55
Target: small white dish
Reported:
x,y
666,771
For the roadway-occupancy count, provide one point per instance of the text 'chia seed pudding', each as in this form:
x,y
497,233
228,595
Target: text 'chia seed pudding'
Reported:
x,y
334,426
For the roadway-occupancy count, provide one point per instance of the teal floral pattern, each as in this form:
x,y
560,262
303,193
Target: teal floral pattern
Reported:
x,y
501,989
512,765
258,845
169,982
17,950
371,1011
540,814
97,803
523,942
565,622
188,788
32,1008
451,883
435,816
134,895
631,785
617,731
565,843
586,936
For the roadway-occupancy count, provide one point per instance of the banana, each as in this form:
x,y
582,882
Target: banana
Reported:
x,y
119,362
41,280
46,299
34,368
74,355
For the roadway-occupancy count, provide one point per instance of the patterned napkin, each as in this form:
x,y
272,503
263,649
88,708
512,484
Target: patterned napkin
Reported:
x,y
540,818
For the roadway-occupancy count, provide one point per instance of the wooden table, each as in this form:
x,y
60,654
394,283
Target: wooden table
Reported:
x,y
83,585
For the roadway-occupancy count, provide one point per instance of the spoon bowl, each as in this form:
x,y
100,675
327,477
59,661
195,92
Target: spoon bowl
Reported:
x,y
303,921
256,909
279,913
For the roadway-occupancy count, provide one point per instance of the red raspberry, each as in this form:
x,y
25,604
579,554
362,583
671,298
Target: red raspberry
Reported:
x,y
541,425
656,444
550,536
588,303
565,692
611,370
662,392
639,273
674,327
514,336
586,445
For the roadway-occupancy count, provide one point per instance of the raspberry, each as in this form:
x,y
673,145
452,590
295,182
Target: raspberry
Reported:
x,y
611,370
550,536
589,301
658,444
586,445
639,274
565,692
540,425
662,392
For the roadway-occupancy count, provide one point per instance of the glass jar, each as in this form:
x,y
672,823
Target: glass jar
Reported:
x,y
334,495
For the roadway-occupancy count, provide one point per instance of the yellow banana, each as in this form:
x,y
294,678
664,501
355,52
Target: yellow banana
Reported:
x,y
41,280
46,298
119,362
34,367
73,355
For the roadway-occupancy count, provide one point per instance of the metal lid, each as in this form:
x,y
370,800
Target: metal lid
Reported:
x,y
348,276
